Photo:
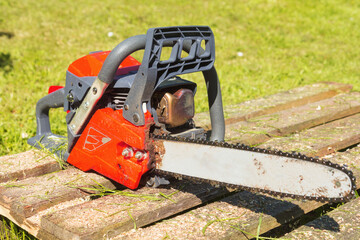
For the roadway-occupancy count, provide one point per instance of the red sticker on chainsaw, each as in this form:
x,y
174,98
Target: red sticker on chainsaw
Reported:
x,y
95,139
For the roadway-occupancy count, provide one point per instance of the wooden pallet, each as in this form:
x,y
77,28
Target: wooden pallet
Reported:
x,y
318,120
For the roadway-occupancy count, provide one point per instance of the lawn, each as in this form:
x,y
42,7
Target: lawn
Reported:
x,y
262,47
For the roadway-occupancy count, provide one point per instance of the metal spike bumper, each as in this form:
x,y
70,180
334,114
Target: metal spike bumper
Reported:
x,y
244,147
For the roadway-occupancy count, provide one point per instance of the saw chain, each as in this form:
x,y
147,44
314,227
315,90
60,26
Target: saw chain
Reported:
x,y
294,155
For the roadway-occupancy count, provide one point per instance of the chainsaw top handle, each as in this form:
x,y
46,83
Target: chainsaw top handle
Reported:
x,y
153,71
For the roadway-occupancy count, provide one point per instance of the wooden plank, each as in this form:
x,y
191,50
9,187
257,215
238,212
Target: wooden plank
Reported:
x,y
22,199
230,218
32,224
186,202
321,140
108,216
351,158
276,102
237,216
27,164
341,223
261,129
13,206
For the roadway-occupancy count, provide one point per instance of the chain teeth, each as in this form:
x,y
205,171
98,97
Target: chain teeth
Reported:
x,y
277,152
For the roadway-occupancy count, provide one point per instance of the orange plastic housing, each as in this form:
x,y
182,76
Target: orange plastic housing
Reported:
x,y
90,65
102,143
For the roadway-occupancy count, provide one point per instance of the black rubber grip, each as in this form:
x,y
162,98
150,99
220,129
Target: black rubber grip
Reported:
x,y
53,100
118,54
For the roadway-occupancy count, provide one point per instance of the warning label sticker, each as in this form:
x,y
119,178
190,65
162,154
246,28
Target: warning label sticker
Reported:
x,y
95,139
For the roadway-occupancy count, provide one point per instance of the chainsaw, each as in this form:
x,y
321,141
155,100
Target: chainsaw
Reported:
x,y
126,119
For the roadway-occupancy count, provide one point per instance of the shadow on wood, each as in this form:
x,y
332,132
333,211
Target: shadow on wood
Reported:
x,y
284,212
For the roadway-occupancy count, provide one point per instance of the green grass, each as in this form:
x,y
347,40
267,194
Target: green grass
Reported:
x,y
285,44
9,231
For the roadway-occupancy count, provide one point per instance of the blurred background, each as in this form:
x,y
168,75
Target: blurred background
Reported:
x,y
262,47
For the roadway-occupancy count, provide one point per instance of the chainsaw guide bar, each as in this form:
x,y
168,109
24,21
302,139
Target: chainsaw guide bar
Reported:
x,y
242,147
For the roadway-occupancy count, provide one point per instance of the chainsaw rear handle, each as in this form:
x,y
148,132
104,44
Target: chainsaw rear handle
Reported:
x,y
44,137
52,100
132,44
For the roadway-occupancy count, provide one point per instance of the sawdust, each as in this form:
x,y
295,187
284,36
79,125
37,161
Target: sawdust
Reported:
x,y
213,221
36,219
341,223
351,159
32,195
188,226
23,161
156,151
110,215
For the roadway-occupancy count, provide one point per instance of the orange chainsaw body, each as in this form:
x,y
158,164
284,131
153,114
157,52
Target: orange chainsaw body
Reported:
x,y
102,143
115,104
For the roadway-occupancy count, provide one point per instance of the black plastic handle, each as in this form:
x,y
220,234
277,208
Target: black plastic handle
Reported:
x,y
44,137
117,56
148,76
52,100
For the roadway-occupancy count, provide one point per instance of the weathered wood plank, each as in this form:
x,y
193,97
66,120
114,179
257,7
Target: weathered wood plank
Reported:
x,y
108,216
32,224
231,218
27,164
25,198
351,158
237,216
260,129
276,102
341,224
186,201
20,211
321,140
